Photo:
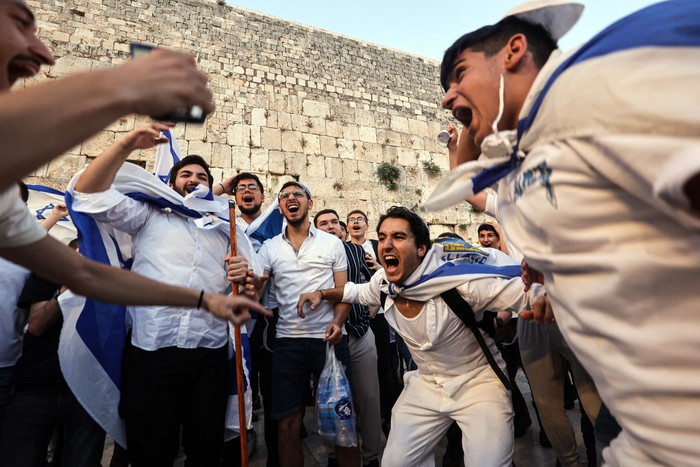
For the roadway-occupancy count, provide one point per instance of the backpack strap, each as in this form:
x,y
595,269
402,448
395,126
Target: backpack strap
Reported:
x,y
464,312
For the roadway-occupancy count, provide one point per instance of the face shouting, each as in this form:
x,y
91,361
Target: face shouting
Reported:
x,y
489,239
188,177
329,223
357,227
473,95
21,51
398,252
249,197
294,205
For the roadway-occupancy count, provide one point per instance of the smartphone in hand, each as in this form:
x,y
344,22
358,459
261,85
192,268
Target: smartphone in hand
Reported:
x,y
194,114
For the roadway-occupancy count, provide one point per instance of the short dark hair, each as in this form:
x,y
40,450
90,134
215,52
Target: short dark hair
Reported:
x,y
322,212
23,191
357,211
191,159
419,228
245,176
343,225
491,39
488,228
450,235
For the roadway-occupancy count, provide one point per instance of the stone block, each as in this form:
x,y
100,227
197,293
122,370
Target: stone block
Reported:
x,y
311,144
259,160
221,155
294,163
258,117
195,131
312,108
291,141
276,162
271,138
96,145
240,158
316,166
367,134
399,124
201,148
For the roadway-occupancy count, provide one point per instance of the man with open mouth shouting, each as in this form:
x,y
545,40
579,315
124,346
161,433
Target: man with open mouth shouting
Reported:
x,y
301,257
455,379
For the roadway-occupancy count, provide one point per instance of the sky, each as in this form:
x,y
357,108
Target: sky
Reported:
x,y
424,27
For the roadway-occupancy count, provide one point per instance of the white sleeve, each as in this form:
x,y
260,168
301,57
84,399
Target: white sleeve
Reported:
x,y
651,167
340,258
113,208
17,226
491,207
496,294
368,294
264,257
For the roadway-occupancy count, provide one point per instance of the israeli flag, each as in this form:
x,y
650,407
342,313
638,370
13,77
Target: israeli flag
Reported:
x,y
267,225
42,200
94,333
167,155
435,275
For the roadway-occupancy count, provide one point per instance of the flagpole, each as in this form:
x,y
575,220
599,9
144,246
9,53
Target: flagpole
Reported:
x,y
243,427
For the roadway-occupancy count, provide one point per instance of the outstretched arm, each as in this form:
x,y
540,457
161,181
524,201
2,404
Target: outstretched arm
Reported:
x,y
100,174
58,263
41,122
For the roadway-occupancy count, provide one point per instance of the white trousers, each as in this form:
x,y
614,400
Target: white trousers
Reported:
x,y
482,408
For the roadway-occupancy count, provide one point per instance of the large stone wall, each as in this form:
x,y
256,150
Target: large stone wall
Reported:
x,y
292,101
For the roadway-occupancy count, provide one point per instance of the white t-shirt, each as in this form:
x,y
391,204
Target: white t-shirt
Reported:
x,y
12,318
307,270
17,227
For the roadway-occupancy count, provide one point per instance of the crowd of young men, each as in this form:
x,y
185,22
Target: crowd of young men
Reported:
x,y
636,165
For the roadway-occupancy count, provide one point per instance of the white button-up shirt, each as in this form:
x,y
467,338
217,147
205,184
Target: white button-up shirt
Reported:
x,y
444,349
295,272
12,319
169,248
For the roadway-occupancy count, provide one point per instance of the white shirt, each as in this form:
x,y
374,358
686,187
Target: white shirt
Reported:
x,y
17,227
444,349
268,299
611,229
169,248
296,272
12,318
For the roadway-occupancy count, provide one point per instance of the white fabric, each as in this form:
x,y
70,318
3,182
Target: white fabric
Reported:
x,y
557,17
493,211
17,227
309,269
170,248
611,229
12,318
268,299
423,412
445,351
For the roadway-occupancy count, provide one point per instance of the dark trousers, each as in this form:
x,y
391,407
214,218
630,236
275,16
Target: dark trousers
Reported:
x,y
389,385
165,389
31,418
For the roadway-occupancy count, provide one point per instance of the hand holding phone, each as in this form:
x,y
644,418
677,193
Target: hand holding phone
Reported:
x,y
194,114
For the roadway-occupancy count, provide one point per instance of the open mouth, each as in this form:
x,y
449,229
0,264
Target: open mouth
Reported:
x,y
464,115
356,227
248,199
391,263
23,67
293,208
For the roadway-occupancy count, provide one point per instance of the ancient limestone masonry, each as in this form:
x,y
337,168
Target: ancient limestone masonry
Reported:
x,y
292,101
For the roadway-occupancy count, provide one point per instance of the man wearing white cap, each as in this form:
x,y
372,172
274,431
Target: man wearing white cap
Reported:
x,y
600,189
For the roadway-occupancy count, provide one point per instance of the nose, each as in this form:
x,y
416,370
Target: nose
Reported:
x,y
448,98
41,52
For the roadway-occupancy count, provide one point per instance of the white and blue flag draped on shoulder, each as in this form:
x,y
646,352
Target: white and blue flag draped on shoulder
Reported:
x,y
434,275
94,333
267,225
42,200
672,26
167,155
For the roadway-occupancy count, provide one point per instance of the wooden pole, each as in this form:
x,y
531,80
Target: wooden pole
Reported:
x,y
238,348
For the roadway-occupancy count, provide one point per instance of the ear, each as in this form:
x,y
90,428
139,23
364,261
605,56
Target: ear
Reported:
x,y
311,204
515,51
422,250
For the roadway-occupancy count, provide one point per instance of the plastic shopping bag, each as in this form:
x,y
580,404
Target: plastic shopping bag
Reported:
x,y
334,409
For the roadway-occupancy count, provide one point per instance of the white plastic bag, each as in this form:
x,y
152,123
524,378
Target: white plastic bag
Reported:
x,y
334,409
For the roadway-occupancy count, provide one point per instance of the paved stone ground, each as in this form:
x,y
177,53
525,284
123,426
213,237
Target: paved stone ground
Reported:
x,y
527,451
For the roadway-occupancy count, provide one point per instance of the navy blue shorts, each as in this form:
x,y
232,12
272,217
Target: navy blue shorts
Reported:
x,y
293,360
